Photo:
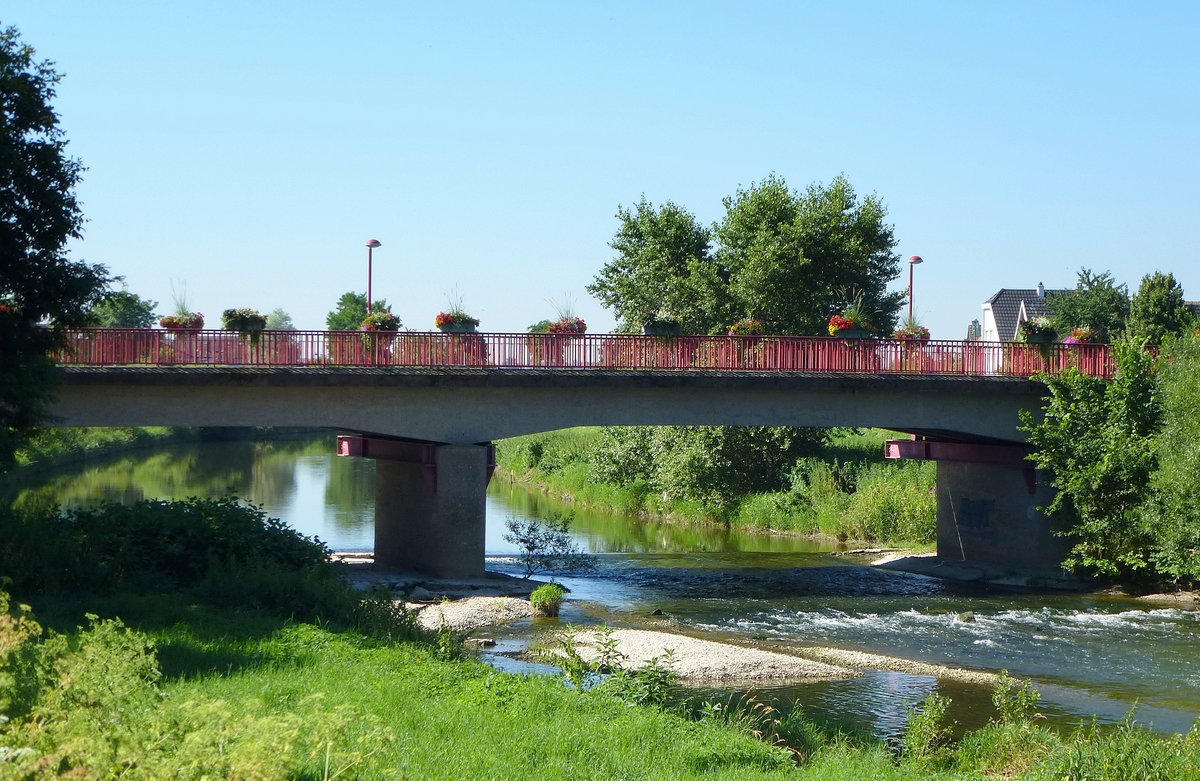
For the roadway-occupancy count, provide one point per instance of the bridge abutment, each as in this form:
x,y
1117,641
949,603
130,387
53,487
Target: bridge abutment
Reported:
x,y
987,500
430,502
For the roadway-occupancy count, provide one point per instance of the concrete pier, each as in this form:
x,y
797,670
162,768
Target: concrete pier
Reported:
x,y
988,497
429,504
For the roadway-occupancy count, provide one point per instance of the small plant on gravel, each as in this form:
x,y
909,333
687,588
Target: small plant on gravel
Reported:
x,y
608,655
547,599
655,684
576,670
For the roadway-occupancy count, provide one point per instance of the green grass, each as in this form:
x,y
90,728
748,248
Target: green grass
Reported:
x,y
66,445
249,694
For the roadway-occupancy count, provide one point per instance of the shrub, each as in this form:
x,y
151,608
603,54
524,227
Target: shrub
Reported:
x,y
547,599
926,738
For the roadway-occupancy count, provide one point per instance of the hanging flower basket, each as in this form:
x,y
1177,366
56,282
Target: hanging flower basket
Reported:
x,y
1037,330
751,326
1084,334
567,325
380,321
846,326
183,321
244,320
455,322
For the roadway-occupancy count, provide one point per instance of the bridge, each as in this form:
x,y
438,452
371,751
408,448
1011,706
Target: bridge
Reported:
x,y
426,407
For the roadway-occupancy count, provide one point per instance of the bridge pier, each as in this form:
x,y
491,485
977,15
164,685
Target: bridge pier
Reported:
x,y
429,503
987,500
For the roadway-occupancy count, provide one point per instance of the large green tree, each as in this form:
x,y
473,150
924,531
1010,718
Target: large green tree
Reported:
x,y
663,269
350,310
1097,301
42,290
122,309
1158,310
794,259
789,258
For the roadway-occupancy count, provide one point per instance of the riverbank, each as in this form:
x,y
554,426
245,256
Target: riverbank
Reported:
x,y
251,657
846,493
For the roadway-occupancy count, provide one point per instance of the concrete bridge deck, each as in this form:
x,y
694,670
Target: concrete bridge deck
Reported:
x,y
476,404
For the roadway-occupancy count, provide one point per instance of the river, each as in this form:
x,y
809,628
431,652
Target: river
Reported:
x,y
1089,655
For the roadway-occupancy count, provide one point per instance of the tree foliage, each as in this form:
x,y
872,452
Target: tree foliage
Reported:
x,y
663,269
713,465
1173,511
794,259
280,320
791,259
1097,300
1097,437
1124,455
38,214
350,310
1158,310
545,545
122,309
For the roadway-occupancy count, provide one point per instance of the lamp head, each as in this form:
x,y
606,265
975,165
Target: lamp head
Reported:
x,y
373,243
915,259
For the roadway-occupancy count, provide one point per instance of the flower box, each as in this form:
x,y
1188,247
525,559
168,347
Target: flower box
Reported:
x,y
455,322
183,321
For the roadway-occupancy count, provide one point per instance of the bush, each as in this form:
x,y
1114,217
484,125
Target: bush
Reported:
x,y
219,551
926,739
547,599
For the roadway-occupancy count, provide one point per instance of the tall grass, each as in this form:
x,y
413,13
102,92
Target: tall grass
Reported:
x,y
847,491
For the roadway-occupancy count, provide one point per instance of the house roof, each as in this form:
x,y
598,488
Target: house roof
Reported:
x,y
1006,308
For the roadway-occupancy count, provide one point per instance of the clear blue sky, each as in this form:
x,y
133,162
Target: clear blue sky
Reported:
x,y
248,150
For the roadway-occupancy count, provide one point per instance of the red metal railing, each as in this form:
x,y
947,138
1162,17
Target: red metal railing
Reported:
x,y
145,347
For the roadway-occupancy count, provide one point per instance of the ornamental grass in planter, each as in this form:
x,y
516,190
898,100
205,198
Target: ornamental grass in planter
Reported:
x,y
455,322
852,322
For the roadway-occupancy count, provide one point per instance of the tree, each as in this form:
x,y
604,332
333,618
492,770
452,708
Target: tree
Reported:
x,y
1096,301
1157,310
279,320
122,309
1098,439
663,269
38,214
546,545
350,311
713,465
1173,511
795,259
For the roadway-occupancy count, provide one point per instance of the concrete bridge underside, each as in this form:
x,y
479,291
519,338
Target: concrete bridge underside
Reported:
x,y
429,501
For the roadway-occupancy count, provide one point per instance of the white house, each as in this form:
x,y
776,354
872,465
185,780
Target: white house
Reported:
x,y
1004,312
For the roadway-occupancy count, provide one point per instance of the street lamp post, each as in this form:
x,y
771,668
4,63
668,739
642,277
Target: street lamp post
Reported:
x,y
371,245
913,261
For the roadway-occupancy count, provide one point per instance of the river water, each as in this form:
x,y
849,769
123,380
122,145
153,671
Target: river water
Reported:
x,y
1089,655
